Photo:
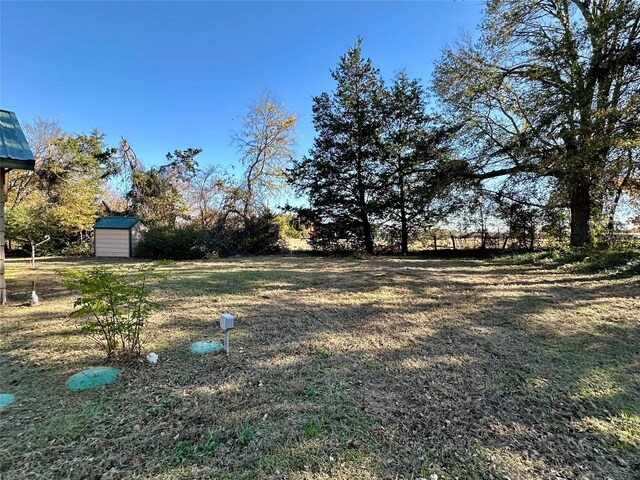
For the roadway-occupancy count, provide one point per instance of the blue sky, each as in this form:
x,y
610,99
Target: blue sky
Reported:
x,y
173,75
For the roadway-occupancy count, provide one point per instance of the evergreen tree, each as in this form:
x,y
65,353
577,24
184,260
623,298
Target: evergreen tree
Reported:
x,y
341,174
416,150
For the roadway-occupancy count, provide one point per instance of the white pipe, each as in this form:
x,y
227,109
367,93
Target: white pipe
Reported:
x,y
226,340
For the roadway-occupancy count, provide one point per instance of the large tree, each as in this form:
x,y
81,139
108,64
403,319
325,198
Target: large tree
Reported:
x,y
62,197
212,195
158,195
414,177
551,89
41,135
265,143
341,173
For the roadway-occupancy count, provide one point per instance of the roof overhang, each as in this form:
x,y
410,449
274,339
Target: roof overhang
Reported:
x,y
116,223
14,148
10,163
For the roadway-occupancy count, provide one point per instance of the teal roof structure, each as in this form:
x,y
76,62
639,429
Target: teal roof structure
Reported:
x,y
124,223
14,148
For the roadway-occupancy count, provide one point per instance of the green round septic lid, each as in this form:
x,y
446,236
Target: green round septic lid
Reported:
x,y
92,378
6,399
206,347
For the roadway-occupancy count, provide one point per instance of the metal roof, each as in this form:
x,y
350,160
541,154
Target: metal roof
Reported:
x,y
117,222
14,149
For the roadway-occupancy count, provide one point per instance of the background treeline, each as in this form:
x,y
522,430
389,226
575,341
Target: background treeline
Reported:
x,y
536,137
191,211
526,138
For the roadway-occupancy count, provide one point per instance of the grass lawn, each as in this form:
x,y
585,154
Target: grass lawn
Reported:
x,y
339,368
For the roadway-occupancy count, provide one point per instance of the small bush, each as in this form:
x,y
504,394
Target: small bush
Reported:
x,y
81,249
115,304
167,243
258,236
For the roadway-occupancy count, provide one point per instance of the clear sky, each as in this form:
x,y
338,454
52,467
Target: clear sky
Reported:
x,y
173,75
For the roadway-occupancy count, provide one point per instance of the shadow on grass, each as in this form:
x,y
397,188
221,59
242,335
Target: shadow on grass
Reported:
x,y
517,385
321,382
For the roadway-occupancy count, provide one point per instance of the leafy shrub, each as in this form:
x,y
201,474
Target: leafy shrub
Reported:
x,y
167,243
117,305
79,249
260,235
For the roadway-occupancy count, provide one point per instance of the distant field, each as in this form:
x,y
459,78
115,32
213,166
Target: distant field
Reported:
x,y
339,369
298,244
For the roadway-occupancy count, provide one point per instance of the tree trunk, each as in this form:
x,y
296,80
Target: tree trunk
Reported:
x,y
532,238
368,235
580,204
248,197
364,217
483,232
247,205
403,220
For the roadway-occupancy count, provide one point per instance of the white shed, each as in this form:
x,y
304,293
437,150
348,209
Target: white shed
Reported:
x,y
117,236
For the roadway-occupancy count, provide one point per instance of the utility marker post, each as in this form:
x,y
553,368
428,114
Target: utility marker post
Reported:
x,y
226,324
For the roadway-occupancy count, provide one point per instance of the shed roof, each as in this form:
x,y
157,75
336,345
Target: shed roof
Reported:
x,y
14,148
117,222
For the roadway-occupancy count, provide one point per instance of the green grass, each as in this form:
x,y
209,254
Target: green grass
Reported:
x,y
311,430
621,261
340,368
244,435
321,352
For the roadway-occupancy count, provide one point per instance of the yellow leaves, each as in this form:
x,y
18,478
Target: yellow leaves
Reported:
x,y
627,143
77,206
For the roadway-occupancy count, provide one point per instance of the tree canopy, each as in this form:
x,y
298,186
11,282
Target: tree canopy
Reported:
x,y
552,89
265,144
375,168
341,173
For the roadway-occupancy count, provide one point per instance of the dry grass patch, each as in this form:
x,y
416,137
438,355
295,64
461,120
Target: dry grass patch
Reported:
x,y
340,369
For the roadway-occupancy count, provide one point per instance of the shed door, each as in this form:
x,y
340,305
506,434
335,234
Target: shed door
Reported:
x,y
112,242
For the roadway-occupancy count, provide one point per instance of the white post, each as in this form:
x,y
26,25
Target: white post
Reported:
x,y
34,296
226,324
